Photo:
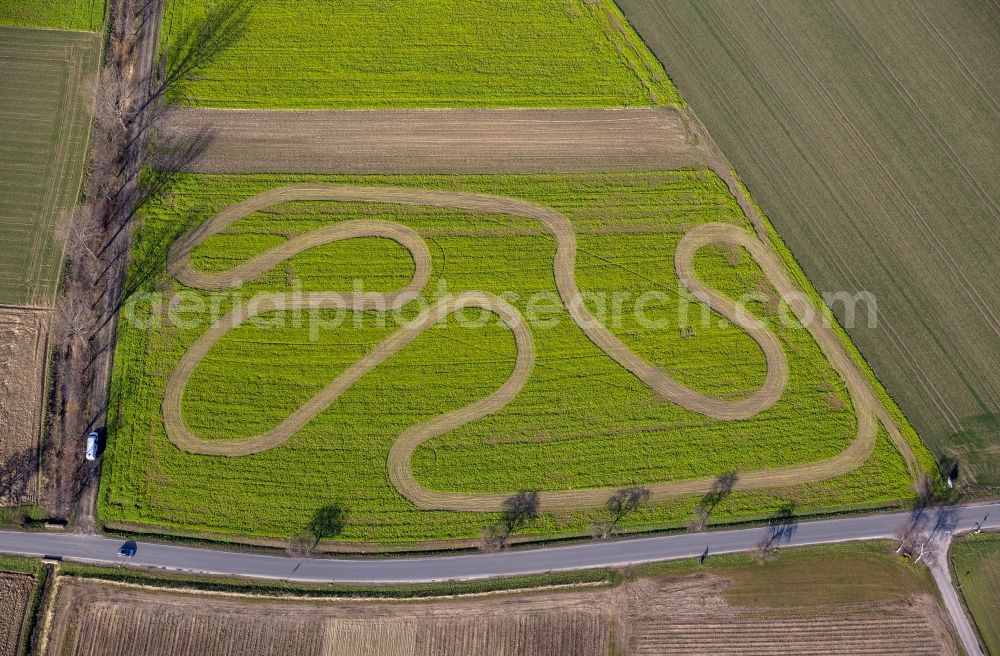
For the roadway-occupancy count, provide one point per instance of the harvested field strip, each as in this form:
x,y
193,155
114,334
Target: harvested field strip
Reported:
x,y
433,141
903,164
564,269
355,54
582,421
860,634
43,146
23,348
15,598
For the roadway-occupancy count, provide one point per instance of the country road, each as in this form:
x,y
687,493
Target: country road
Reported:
x,y
104,550
98,549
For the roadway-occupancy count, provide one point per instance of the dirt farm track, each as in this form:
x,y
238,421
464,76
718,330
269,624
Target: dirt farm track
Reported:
x,y
867,406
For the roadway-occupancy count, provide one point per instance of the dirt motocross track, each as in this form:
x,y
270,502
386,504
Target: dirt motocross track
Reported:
x,y
867,407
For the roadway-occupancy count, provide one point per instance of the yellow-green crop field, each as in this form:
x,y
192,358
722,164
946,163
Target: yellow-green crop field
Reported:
x,y
442,53
581,421
82,15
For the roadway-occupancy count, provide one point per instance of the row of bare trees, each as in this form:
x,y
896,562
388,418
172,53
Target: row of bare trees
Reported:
x,y
522,507
83,305
128,102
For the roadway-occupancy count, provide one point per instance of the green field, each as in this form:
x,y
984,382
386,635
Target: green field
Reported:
x,y
443,53
582,421
975,566
43,149
867,131
84,15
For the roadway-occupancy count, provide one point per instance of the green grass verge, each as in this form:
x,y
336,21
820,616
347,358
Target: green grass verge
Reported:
x,y
20,565
285,588
975,565
83,15
820,575
446,53
581,421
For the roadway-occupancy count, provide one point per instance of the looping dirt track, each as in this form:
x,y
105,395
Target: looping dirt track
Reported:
x,y
865,403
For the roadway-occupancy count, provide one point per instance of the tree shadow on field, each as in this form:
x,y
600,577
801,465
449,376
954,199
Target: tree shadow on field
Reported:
x,y
721,488
17,473
328,521
150,262
197,45
516,511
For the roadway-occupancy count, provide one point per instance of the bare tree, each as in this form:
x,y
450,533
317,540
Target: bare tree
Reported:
x,y
931,516
780,528
115,100
84,233
492,539
622,502
517,511
301,544
765,549
700,519
74,320
908,535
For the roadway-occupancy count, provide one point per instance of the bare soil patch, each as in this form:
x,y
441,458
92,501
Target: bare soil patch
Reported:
x,y
15,597
434,141
23,345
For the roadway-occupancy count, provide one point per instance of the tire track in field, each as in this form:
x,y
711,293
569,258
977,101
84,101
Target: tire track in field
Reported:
x,y
400,472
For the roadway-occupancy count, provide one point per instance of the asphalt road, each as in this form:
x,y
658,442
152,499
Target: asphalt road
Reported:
x,y
97,549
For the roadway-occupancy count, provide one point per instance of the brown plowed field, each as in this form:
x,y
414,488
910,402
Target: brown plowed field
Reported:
x,y
23,347
435,141
865,402
728,611
15,595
